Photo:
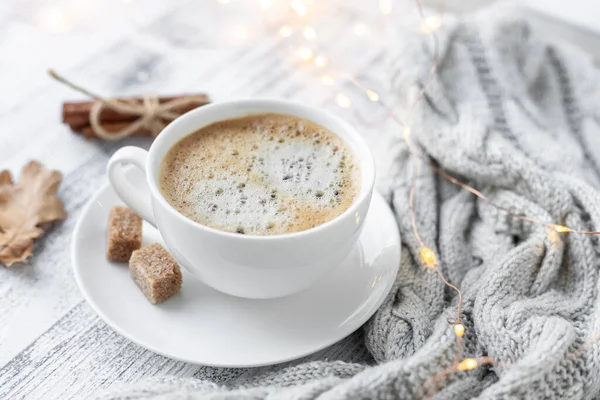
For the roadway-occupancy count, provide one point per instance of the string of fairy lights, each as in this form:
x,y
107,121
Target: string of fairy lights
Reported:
x,y
306,53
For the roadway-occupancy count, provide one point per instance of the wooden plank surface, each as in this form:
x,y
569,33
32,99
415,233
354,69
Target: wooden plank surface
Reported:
x,y
80,354
51,344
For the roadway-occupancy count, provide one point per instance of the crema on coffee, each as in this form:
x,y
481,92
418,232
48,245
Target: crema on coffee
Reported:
x,y
262,174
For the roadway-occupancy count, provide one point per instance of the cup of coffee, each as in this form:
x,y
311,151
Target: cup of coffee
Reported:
x,y
256,198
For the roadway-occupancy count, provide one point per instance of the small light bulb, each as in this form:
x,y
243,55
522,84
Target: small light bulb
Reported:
x,y
310,33
343,101
321,61
432,23
327,80
285,31
459,330
360,29
561,229
385,6
54,20
467,364
305,53
428,257
299,7
372,95
266,4
405,132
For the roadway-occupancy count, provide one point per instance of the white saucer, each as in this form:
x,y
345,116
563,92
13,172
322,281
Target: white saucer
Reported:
x,y
203,326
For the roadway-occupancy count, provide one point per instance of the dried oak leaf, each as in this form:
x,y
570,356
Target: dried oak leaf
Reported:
x,y
25,208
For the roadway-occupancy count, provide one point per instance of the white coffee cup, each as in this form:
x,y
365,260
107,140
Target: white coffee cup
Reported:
x,y
249,266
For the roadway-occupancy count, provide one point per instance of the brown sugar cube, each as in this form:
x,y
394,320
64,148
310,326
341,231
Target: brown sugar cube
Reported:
x,y
124,234
155,272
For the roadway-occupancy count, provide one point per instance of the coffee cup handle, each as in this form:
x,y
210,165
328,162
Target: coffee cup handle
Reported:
x,y
130,194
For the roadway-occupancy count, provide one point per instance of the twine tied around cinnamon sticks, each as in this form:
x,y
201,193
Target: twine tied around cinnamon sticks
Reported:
x,y
145,114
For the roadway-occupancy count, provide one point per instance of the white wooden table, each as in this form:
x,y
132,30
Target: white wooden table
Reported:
x,y
52,345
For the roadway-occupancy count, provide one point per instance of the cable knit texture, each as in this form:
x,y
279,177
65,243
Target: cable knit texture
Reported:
x,y
518,118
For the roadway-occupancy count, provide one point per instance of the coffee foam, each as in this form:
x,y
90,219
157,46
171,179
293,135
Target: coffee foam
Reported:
x,y
261,175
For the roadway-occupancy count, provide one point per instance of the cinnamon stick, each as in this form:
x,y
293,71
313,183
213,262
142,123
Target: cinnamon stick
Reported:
x,y
77,114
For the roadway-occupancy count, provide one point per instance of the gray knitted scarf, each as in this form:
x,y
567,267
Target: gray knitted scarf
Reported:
x,y
518,118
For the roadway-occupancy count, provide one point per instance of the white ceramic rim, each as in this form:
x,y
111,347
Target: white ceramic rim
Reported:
x,y
367,164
